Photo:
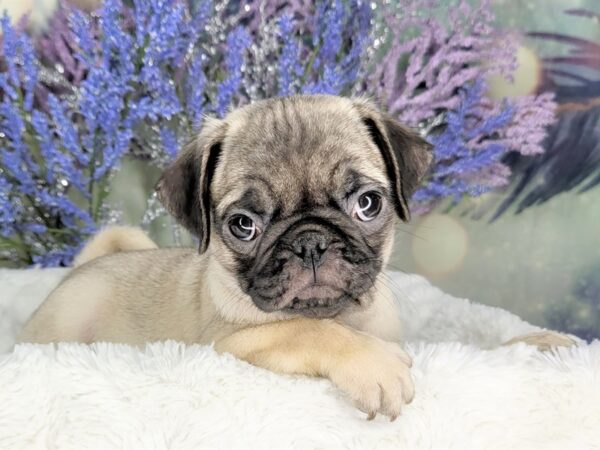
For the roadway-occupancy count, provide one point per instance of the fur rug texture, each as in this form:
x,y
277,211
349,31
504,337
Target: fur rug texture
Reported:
x,y
470,393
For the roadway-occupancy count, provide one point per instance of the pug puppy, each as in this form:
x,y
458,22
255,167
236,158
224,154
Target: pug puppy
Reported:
x,y
293,201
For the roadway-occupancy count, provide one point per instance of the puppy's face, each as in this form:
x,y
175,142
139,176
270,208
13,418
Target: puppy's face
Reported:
x,y
297,197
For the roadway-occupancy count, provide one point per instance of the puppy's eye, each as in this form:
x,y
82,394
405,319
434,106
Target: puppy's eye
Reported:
x,y
242,227
368,206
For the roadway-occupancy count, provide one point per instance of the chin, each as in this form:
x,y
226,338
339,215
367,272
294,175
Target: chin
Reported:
x,y
320,307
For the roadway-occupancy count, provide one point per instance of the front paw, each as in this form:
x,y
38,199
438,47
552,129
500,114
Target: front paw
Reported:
x,y
376,376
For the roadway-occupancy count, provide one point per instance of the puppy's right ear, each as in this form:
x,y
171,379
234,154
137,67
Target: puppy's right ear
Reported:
x,y
184,187
406,155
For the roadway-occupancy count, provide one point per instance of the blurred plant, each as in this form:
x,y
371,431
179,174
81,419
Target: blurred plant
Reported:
x,y
136,80
571,161
429,57
34,173
575,76
466,152
318,52
56,49
432,60
255,13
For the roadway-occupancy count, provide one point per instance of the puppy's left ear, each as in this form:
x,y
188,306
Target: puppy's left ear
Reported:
x,y
407,155
184,187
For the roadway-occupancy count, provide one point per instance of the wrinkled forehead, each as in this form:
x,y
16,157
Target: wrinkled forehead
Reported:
x,y
294,156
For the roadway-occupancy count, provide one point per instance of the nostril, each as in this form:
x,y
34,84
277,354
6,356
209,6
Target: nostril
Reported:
x,y
298,249
315,255
318,251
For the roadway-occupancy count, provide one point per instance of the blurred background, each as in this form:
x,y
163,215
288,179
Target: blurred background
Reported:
x,y
508,91
532,247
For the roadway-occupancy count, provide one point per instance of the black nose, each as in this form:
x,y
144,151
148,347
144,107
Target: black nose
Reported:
x,y
310,247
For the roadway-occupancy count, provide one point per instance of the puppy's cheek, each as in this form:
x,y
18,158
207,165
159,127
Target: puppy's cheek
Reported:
x,y
222,254
382,242
387,247
238,263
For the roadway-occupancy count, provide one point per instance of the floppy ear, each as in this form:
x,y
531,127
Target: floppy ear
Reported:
x,y
407,155
184,187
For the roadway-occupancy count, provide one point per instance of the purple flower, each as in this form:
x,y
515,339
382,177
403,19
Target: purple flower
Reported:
x,y
116,44
81,26
169,141
195,84
57,46
62,256
58,164
290,68
65,129
113,149
42,161
330,82
328,32
426,66
466,149
359,38
237,43
9,209
338,65
10,48
30,73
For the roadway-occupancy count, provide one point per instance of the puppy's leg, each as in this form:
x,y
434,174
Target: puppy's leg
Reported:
x,y
544,340
373,372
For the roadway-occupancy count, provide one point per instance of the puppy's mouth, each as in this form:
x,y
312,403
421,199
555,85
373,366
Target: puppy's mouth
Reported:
x,y
318,307
318,301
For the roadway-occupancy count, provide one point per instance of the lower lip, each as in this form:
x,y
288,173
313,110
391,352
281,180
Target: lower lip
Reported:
x,y
318,291
304,307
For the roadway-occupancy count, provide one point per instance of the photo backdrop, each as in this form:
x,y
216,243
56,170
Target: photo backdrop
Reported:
x,y
532,247
97,97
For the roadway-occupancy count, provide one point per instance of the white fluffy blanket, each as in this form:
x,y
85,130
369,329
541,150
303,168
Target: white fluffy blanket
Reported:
x,y
469,394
